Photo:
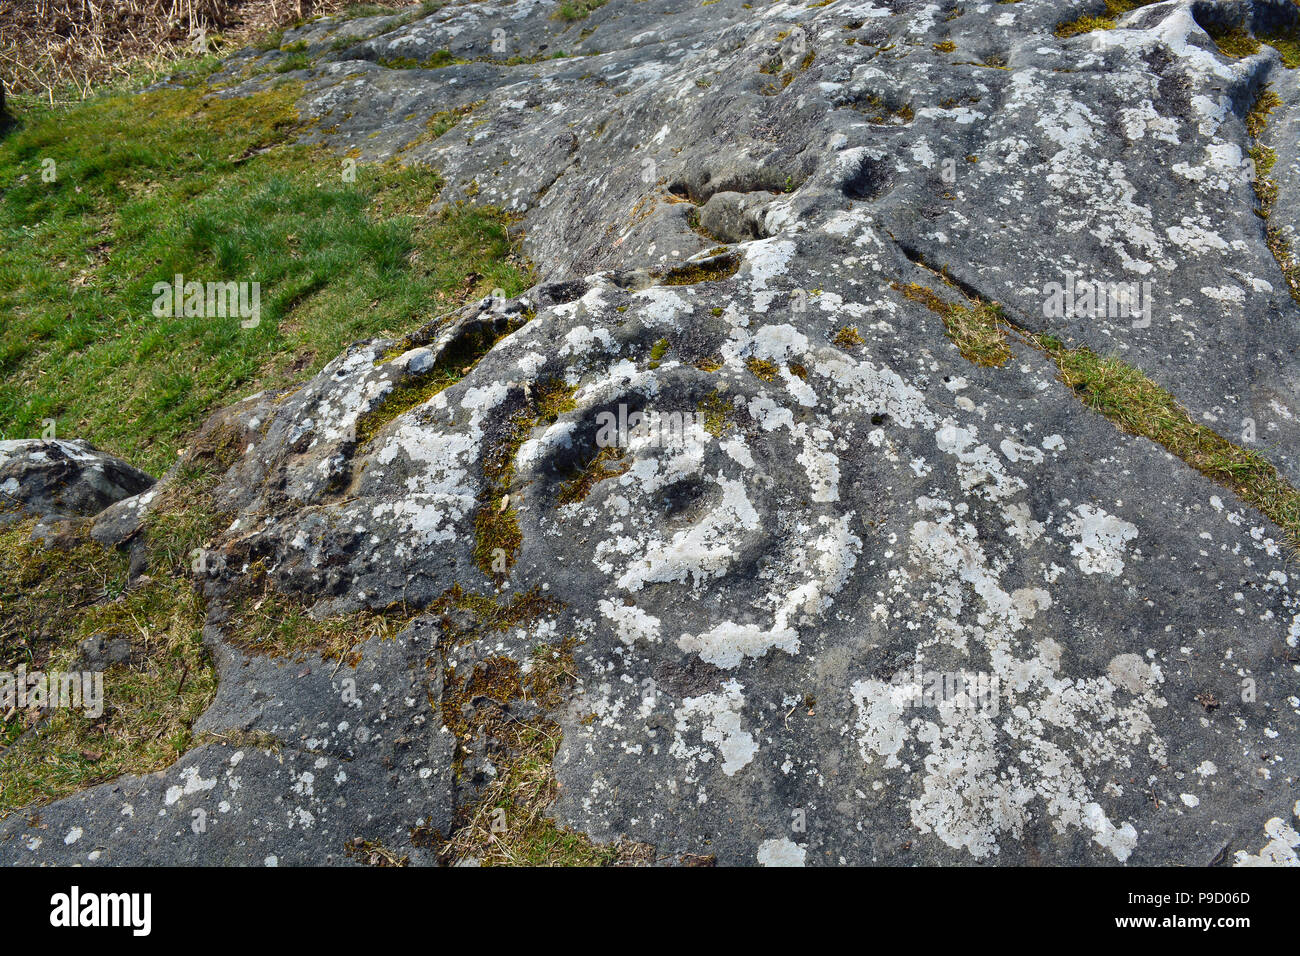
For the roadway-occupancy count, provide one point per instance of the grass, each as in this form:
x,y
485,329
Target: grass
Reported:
x,y
571,11
53,599
978,329
1265,158
168,182
507,823
140,188
1132,401
266,622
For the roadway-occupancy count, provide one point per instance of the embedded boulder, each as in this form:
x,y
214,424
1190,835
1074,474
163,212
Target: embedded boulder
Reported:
x,y
60,478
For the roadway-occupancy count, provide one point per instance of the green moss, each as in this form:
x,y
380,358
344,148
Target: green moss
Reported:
x,y
1233,41
944,46
1266,189
658,351
497,537
881,113
719,413
1287,44
1114,10
434,61
1084,24
488,613
453,365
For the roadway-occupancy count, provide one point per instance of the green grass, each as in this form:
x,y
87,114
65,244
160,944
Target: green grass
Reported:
x,y
572,10
1265,158
167,182
978,329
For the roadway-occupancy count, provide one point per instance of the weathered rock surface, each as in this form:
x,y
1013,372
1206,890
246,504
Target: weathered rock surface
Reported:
x,y
748,591
58,478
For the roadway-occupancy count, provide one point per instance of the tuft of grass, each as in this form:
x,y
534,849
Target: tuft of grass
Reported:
x,y
1266,190
264,621
170,182
1136,404
507,825
978,330
572,10
294,61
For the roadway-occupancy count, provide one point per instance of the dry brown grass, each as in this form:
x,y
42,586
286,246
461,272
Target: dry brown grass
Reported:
x,y
64,49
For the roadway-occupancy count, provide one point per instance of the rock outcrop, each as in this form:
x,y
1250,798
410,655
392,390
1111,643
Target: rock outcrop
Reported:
x,y
845,596
55,478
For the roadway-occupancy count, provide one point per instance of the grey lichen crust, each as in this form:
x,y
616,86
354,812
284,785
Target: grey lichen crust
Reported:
x,y
837,511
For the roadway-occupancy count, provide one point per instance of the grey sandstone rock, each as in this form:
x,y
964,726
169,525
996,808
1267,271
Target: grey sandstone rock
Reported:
x,y
753,592
58,478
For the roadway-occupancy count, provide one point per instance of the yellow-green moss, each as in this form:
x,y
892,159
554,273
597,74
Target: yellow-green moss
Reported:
x,y
719,413
847,337
762,369
709,270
